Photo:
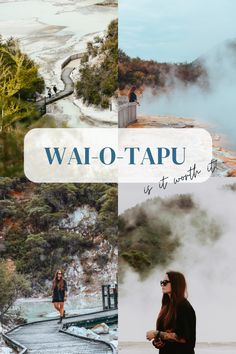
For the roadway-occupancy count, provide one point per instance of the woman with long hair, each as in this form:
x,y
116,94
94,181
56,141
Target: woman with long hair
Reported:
x,y
132,95
59,287
176,323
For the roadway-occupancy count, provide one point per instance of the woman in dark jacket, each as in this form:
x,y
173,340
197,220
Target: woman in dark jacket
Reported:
x,y
176,323
132,95
59,288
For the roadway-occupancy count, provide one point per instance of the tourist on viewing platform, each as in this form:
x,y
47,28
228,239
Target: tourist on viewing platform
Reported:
x,y
59,296
132,95
176,323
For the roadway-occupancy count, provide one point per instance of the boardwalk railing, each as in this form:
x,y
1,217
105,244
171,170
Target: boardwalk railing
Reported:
x,y
67,81
127,114
86,324
109,297
14,344
71,58
46,337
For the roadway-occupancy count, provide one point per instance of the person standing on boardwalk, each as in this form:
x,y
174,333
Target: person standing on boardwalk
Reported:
x,y
132,95
176,323
49,92
55,89
59,296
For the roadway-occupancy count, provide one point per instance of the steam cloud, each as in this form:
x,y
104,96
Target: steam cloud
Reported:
x,y
209,269
216,105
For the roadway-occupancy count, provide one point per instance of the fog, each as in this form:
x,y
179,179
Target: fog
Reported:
x,y
208,267
215,105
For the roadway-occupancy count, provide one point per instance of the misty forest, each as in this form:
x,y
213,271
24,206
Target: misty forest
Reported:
x,y
190,229
151,233
150,73
196,94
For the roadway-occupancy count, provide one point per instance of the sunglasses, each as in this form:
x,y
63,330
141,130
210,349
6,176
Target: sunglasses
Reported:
x,y
164,282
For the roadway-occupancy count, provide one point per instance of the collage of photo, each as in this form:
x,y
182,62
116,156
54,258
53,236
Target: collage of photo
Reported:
x,y
130,268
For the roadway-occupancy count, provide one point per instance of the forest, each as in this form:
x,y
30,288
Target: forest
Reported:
x,y
19,84
151,233
139,72
98,81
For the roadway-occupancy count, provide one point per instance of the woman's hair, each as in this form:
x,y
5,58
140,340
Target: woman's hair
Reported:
x,y
132,89
58,283
167,316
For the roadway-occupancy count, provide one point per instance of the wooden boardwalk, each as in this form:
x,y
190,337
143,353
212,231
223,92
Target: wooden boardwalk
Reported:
x,y
68,85
67,91
46,337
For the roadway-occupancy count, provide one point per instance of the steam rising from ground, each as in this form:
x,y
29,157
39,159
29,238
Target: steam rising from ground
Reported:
x,y
209,269
151,233
216,105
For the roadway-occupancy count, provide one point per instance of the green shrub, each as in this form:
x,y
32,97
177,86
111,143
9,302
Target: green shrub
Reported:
x,y
12,286
98,82
33,235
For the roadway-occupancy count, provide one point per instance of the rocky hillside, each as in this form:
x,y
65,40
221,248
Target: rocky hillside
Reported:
x,y
68,226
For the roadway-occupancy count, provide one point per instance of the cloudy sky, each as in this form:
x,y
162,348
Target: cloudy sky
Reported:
x,y
174,30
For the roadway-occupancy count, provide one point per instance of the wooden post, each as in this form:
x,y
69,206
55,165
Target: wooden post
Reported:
x,y
104,297
109,296
115,292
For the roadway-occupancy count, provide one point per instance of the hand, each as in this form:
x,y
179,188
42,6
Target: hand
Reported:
x,y
150,335
65,297
158,344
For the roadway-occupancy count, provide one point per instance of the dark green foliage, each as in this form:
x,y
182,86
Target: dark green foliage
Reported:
x,y
145,241
151,233
108,214
184,201
19,82
12,286
98,82
11,153
137,259
5,187
7,209
33,234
